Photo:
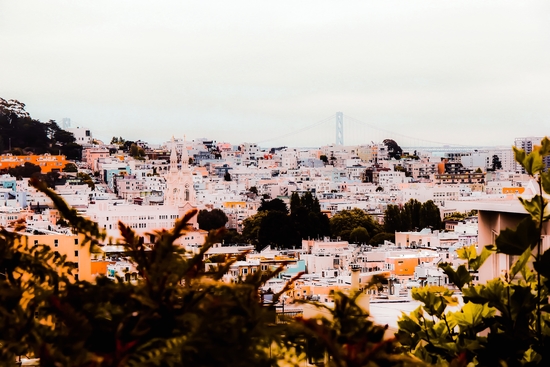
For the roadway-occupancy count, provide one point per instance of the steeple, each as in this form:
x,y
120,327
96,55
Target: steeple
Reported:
x,y
184,158
173,157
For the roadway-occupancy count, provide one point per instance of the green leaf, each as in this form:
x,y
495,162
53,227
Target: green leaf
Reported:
x,y
530,356
519,155
435,299
544,147
478,261
467,253
515,242
533,163
472,314
533,206
545,180
520,263
543,264
492,292
460,277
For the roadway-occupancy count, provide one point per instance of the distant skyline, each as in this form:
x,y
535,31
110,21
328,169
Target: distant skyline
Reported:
x,y
455,72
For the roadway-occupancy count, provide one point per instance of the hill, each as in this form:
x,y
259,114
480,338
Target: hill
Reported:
x,y
21,134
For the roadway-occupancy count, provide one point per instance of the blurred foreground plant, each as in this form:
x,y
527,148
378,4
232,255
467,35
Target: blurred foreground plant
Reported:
x,y
505,322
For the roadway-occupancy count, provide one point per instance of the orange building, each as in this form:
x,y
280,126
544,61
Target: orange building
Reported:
x,y
46,162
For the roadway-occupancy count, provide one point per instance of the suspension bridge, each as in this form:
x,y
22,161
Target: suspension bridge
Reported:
x,y
340,129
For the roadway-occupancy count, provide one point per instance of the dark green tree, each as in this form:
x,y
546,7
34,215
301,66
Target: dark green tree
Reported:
x,y
412,215
27,170
379,238
70,167
392,219
211,219
359,235
342,223
227,176
430,216
496,164
277,230
273,205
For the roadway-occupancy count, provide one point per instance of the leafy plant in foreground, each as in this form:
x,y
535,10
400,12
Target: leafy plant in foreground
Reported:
x,y
505,322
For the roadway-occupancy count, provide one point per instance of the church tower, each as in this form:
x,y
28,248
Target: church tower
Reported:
x,y
179,181
188,195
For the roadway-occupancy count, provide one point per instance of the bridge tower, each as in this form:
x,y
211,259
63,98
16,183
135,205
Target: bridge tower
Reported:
x,y
339,128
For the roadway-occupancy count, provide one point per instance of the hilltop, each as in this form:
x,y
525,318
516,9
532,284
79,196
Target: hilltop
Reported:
x,y
21,134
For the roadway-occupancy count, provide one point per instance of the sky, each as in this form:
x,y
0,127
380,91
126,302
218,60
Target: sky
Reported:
x,y
420,72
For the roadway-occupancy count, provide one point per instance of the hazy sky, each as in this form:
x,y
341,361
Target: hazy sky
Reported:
x,y
463,72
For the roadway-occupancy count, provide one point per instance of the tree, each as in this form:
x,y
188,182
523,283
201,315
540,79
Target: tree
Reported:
x,y
503,322
253,190
86,179
359,235
227,176
306,215
381,237
277,230
392,219
213,219
394,150
70,167
251,228
273,205
430,216
412,214
342,223
27,170
496,164
324,158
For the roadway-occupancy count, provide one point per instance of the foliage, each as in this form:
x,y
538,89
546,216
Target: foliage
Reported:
x,y
251,229
27,170
306,216
253,190
496,164
213,219
344,222
350,338
504,322
394,150
86,179
25,133
70,167
136,151
412,217
359,235
379,238
278,231
273,205
227,176
178,313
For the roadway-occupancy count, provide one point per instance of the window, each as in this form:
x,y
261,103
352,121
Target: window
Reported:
x,y
76,253
76,241
55,243
35,242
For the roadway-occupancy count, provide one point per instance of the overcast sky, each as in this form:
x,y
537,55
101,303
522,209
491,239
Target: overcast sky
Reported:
x,y
461,72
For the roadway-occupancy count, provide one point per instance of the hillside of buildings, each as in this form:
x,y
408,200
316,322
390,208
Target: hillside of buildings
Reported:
x,y
340,216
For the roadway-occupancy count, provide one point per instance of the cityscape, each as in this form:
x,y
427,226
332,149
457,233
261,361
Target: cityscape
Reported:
x,y
336,217
336,184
